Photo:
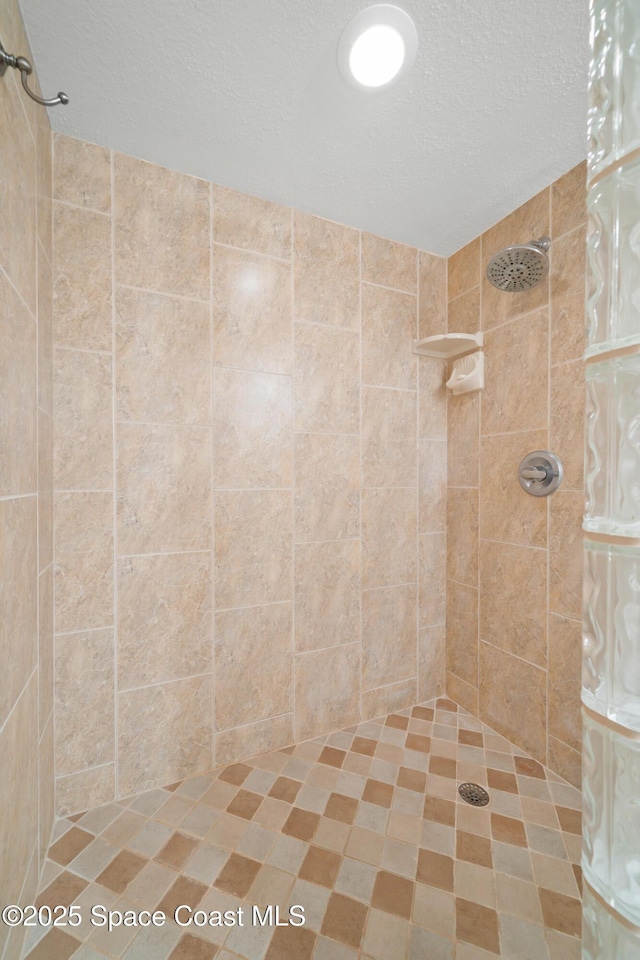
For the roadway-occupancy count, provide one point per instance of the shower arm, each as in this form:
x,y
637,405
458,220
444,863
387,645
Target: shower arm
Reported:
x,y
25,68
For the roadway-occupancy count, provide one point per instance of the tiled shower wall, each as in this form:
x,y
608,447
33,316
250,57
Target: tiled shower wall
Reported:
x,y
26,527
250,476
514,565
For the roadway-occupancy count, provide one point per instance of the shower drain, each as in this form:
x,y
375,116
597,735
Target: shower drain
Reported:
x,y
473,793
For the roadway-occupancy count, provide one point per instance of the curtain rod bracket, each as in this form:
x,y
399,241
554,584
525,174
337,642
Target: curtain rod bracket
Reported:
x,y
25,68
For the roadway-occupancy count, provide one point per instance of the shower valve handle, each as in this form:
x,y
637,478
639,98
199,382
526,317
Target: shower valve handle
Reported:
x,y
534,473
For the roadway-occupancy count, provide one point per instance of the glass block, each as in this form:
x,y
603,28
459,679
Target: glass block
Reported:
x,y
603,936
625,826
595,807
612,455
613,256
614,82
596,627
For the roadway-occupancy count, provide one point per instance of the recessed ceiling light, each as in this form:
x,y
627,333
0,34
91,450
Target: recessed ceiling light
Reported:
x,y
377,46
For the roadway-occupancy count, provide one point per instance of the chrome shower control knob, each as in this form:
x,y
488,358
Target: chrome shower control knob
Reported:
x,y
540,473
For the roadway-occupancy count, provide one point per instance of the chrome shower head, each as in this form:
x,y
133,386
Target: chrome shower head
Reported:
x,y
520,267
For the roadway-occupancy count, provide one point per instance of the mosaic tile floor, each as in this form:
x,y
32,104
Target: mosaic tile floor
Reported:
x,y
363,828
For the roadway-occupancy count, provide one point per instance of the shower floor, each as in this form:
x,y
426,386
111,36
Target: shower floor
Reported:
x,y
363,828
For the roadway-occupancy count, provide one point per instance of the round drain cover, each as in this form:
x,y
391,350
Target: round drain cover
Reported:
x,y
473,793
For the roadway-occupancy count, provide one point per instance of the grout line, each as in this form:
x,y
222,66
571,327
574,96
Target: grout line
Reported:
x,y
5,274
248,250
547,732
361,491
212,489
384,286
116,716
67,349
55,201
294,724
164,683
419,400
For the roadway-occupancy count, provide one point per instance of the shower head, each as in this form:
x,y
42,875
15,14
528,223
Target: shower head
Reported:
x,y
520,267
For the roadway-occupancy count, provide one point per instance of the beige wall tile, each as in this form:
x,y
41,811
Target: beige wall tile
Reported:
x,y
432,399
45,647
464,312
163,368
18,193
84,701
567,296
388,699
252,424
254,664
462,631
326,271
432,294
565,554
463,451
45,490
164,733
463,693
462,535
85,790
565,761
521,719
432,486
46,782
254,531
565,657
388,537
389,457
327,690
389,326
164,488
18,794
84,561
327,594
161,228
81,173
569,200
463,269
326,380
83,430
389,263
432,572
45,333
327,487
251,223
252,310
513,599
516,376
254,738
44,173
388,635
164,618
432,661
18,409
507,513
566,423
82,278
528,222
18,599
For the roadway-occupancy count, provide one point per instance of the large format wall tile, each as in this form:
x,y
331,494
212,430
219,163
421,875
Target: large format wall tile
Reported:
x,y
18,398
251,223
44,184
432,294
462,535
463,269
389,326
164,618
462,631
432,489
463,450
164,733
163,368
326,271
432,661
161,229
388,438
565,538
394,696
254,664
388,537
18,598
506,512
254,738
164,488
252,311
45,490
432,575
388,635
252,424
432,396
565,656
81,173
568,208
327,690
86,789
327,487
521,718
464,312
83,435
567,297
253,547
45,645
45,331
566,423
389,263
84,700
327,594
326,380
84,561
82,271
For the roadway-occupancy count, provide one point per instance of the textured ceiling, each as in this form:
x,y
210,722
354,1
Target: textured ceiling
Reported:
x,y
247,93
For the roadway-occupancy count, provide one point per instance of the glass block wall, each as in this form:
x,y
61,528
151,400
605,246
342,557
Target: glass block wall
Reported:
x,y
611,642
